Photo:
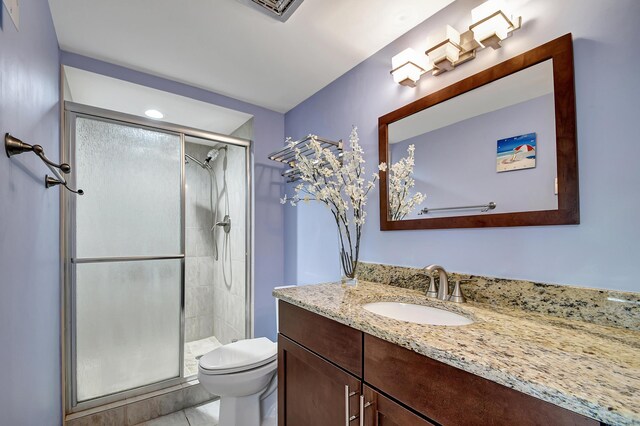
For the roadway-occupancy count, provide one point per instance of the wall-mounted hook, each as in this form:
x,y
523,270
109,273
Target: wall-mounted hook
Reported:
x,y
14,146
50,181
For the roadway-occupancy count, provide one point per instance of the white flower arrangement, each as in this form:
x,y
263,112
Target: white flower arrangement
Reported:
x,y
401,202
341,187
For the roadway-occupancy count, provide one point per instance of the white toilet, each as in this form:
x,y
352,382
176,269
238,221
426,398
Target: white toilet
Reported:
x,y
243,374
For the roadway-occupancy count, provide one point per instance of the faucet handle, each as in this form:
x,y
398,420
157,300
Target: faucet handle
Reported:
x,y
432,291
456,295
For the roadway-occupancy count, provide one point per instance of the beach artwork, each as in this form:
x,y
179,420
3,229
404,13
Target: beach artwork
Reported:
x,y
517,153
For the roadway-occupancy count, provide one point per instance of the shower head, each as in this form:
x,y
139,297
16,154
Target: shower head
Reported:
x,y
212,155
214,152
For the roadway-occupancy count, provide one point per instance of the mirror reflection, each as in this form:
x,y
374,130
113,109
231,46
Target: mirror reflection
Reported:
x,y
490,150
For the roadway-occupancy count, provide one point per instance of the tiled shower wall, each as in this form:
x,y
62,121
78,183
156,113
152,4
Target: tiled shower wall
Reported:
x,y
229,294
215,298
199,260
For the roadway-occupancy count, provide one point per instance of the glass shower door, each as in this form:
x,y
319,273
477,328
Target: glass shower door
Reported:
x,y
127,257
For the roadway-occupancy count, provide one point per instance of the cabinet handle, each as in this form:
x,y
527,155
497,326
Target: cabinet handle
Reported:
x,y
363,405
346,405
347,395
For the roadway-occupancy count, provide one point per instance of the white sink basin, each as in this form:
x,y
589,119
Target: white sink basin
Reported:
x,y
417,313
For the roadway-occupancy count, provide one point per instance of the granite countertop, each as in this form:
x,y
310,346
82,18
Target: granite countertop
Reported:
x,y
590,369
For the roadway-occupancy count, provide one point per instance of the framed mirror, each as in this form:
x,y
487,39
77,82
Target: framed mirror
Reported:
x,y
495,149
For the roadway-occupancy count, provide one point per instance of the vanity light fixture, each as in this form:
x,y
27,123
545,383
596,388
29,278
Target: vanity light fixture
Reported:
x,y
154,113
456,49
408,67
445,54
492,22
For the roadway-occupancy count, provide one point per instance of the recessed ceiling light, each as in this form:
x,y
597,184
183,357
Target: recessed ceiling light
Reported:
x,y
153,113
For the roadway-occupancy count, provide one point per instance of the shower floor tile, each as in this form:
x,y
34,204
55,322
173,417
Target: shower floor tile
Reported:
x,y
195,349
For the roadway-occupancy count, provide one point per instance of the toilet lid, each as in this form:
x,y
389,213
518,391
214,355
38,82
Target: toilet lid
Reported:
x,y
240,356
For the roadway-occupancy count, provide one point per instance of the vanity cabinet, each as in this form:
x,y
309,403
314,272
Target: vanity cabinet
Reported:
x,y
311,390
383,411
320,371
331,374
452,396
340,344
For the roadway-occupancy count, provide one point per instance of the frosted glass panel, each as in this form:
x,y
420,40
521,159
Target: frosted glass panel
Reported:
x,y
127,325
132,183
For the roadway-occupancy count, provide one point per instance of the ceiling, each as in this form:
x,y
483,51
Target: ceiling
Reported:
x,y
226,47
109,93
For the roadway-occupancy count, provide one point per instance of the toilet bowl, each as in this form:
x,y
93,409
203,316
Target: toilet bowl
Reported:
x,y
243,374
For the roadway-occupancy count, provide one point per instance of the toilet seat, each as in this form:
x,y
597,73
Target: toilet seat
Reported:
x,y
242,355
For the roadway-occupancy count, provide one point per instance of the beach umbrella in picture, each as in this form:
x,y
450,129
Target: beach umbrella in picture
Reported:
x,y
523,151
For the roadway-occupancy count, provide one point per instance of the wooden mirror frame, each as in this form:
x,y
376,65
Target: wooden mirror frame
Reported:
x,y
560,51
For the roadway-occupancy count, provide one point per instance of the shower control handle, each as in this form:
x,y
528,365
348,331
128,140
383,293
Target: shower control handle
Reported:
x,y
225,224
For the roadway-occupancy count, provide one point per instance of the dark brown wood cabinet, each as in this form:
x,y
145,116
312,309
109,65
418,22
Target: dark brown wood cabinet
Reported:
x,y
451,396
311,390
331,374
382,411
336,342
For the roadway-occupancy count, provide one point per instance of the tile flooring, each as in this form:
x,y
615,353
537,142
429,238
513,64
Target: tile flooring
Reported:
x,y
206,414
201,415
193,350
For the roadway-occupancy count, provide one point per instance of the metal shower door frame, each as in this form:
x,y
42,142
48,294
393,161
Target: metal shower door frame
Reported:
x,y
72,111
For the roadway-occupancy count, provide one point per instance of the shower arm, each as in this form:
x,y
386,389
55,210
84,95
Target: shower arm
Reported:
x,y
198,162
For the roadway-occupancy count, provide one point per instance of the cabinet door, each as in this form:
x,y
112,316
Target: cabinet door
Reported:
x,y
312,391
454,397
381,411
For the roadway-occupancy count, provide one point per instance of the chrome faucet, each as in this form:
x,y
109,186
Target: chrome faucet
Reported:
x,y
443,287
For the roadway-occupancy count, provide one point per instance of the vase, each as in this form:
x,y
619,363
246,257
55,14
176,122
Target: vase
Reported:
x,y
349,281
348,267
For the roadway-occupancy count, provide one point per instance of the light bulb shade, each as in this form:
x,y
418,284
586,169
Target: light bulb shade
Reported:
x,y
492,22
447,50
407,67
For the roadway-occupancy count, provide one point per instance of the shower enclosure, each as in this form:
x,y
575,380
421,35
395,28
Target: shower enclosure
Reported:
x,y
215,249
156,253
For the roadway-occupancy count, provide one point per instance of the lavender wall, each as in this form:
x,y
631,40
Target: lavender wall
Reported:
x,y
268,128
600,252
29,241
457,163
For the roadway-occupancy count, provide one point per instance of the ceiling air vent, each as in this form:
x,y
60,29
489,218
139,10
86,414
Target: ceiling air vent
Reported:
x,y
278,9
